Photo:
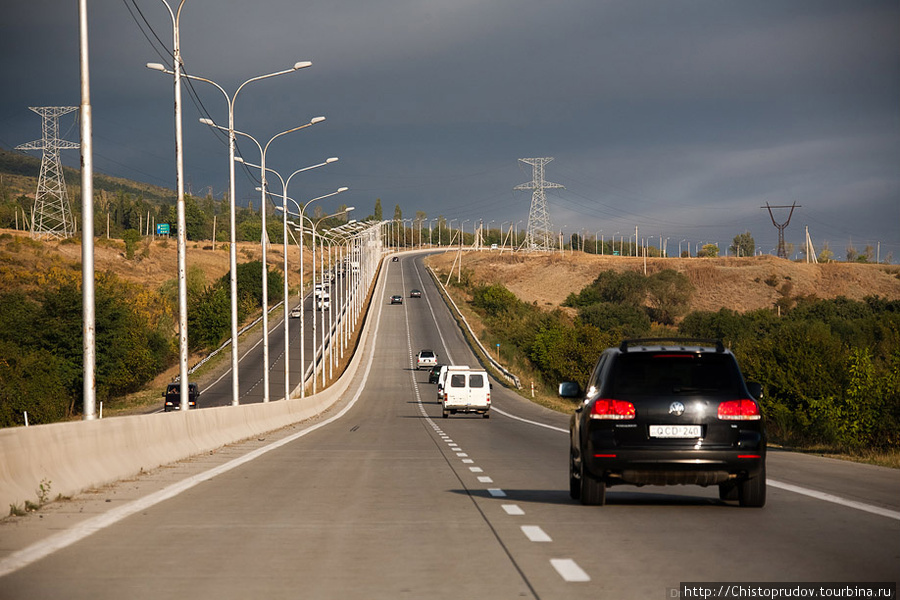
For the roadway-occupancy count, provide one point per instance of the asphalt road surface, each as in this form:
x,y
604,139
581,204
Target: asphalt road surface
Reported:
x,y
382,498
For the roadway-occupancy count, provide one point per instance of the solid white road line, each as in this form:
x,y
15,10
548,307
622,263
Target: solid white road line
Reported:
x,y
48,546
506,414
875,510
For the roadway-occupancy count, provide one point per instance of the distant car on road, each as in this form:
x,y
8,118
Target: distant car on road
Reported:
x,y
395,259
172,396
396,299
667,412
435,373
296,312
426,359
415,294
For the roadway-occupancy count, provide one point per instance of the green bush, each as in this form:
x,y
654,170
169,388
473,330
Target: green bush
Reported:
x,y
829,368
628,321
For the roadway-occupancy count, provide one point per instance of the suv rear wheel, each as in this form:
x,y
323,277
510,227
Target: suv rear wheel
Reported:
x,y
752,491
593,491
574,482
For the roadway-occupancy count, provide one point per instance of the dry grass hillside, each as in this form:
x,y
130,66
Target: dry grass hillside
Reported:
x,y
741,284
154,262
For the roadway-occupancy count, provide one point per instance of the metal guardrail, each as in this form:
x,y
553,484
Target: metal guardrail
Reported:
x,y
503,370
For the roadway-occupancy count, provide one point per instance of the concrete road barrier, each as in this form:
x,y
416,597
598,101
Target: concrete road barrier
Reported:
x,y
77,456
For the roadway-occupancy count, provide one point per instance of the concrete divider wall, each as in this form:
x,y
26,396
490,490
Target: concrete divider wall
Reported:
x,y
77,456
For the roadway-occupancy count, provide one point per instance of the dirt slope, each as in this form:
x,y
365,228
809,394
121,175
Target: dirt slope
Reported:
x,y
741,284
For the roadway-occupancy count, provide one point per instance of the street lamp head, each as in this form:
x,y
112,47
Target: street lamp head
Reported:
x,y
349,208
156,67
315,120
239,159
331,160
207,121
343,189
302,64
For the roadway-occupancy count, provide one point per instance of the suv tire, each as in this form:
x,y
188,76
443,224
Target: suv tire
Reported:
x,y
574,482
752,491
593,491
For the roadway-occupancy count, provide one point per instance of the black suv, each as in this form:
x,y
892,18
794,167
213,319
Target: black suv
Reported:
x,y
666,412
173,396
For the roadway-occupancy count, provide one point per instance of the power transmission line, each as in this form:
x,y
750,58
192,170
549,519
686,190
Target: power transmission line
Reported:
x,y
539,236
51,215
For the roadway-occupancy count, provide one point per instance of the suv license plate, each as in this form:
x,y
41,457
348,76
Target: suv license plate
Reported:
x,y
675,431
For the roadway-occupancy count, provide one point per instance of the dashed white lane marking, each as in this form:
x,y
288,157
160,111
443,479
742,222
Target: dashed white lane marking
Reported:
x,y
535,533
569,570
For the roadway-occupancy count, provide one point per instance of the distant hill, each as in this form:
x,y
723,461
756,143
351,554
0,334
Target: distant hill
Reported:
x,y
19,174
741,284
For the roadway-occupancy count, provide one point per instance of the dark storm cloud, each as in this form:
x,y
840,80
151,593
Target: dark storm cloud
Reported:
x,y
681,118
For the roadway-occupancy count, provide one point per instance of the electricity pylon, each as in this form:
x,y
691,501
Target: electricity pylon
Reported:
x,y
539,237
782,251
52,216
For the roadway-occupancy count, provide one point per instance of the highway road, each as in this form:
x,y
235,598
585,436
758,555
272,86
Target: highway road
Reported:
x,y
382,498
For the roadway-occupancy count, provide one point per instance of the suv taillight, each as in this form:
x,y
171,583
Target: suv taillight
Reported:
x,y
606,408
739,410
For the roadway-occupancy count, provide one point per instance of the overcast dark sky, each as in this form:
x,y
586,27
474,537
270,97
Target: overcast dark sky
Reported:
x,y
680,117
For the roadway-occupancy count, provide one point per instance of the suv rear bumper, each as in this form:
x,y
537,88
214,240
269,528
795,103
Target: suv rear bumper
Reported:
x,y
690,467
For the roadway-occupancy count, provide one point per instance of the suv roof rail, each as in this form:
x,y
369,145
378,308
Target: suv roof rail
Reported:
x,y
720,347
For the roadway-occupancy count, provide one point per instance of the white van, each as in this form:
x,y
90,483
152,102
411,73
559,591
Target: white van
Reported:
x,y
324,302
442,377
466,390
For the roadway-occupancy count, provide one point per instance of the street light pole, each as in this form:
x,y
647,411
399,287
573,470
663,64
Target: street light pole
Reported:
x,y
264,236
230,100
284,187
179,203
301,214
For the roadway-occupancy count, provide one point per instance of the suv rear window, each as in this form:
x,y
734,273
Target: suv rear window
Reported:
x,y
673,372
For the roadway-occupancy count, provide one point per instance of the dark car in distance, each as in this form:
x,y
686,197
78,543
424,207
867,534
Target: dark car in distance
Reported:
x,y
172,396
435,373
396,299
667,412
415,294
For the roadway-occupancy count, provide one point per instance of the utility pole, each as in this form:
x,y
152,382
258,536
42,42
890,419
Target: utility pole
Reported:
x,y
782,252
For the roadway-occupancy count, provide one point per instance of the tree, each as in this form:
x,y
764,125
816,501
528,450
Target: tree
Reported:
x,y
378,213
131,238
743,245
398,214
670,293
708,251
